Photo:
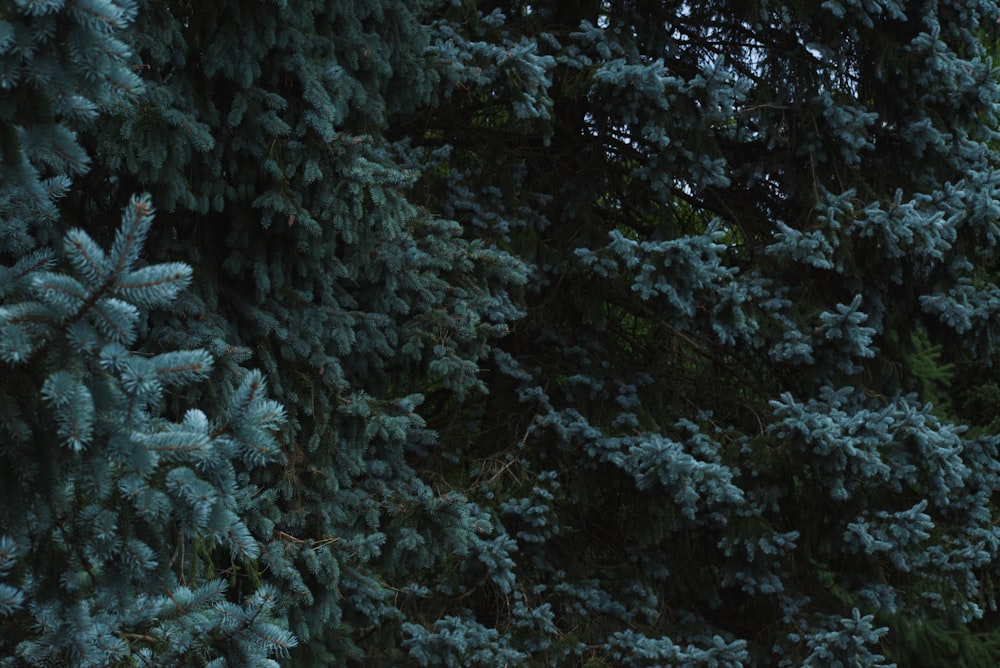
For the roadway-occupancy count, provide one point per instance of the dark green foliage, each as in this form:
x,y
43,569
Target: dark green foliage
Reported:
x,y
923,643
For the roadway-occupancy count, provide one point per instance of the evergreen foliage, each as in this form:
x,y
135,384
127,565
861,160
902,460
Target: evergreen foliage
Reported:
x,y
760,238
498,333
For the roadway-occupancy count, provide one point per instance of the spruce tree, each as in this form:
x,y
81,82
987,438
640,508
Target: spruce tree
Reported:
x,y
761,244
111,501
213,420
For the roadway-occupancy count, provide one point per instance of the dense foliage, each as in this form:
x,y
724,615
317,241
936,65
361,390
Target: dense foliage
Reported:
x,y
499,333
